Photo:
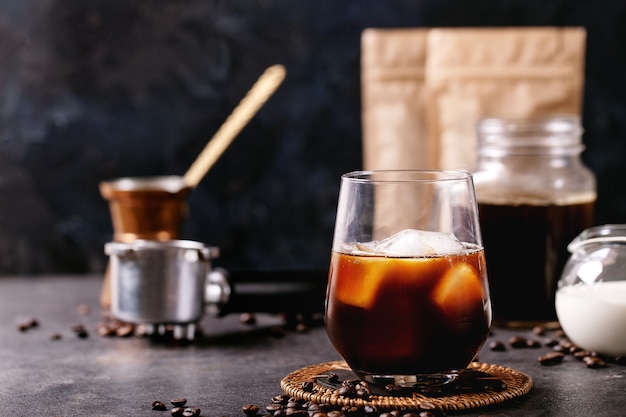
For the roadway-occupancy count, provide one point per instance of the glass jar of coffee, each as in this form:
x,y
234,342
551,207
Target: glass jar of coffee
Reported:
x,y
534,196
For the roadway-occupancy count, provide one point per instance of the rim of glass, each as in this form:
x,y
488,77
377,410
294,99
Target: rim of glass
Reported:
x,y
406,176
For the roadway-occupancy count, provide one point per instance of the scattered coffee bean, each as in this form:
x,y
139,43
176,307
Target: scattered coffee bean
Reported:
x,y
28,324
594,362
307,386
347,391
302,328
551,358
539,330
393,388
293,403
159,406
533,344
191,412
518,341
567,345
125,330
550,342
83,309
177,411
280,399
80,331
581,354
56,336
273,407
104,330
250,409
370,410
350,411
497,346
179,402
247,318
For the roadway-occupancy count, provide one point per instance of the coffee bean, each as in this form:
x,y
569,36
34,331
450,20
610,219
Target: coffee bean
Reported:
x,y
347,391
80,331
177,411
191,412
517,341
550,342
247,318
560,333
280,399
428,406
125,330
250,409
539,330
159,405
370,410
272,408
56,336
567,345
497,346
551,358
594,362
179,402
83,309
581,354
349,411
307,386
28,324
533,344
292,403
333,377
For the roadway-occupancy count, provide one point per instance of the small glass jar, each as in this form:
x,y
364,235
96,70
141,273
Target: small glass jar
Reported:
x,y
534,196
591,295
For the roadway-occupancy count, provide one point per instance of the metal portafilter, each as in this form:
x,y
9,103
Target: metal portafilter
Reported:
x,y
172,283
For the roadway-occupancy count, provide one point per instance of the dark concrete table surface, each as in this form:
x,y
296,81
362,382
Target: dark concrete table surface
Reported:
x,y
231,365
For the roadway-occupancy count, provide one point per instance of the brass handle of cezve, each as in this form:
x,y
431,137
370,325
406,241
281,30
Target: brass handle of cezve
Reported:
x,y
265,291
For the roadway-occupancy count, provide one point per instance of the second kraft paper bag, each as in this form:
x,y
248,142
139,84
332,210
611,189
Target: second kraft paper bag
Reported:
x,y
424,90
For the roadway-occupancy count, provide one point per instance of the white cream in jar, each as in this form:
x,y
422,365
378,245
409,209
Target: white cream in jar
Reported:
x,y
594,316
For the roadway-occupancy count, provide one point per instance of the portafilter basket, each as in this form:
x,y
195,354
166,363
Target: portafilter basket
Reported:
x,y
161,283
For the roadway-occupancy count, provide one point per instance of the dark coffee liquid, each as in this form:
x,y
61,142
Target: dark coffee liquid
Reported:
x,y
526,250
407,316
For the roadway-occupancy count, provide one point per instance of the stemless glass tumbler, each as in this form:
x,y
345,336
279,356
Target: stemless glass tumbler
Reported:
x,y
407,296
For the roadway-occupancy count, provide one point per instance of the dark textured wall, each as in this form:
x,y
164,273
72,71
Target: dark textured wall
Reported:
x,y
98,89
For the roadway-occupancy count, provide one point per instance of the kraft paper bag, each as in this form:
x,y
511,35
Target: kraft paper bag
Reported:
x,y
393,97
424,90
508,72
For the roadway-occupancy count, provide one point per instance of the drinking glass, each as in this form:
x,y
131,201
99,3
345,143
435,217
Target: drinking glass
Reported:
x,y
407,299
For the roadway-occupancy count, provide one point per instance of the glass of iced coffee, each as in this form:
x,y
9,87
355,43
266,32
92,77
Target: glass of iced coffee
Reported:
x,y
407,297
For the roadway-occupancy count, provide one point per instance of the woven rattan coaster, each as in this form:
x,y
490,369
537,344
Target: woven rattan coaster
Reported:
x,y
515,382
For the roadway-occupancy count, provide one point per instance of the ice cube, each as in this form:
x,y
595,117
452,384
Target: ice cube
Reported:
x,y
412,242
